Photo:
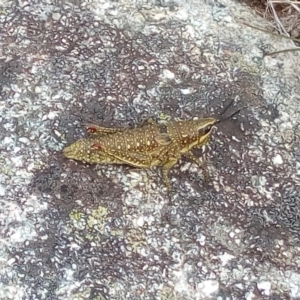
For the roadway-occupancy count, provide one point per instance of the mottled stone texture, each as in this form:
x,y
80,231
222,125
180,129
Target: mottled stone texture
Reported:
x,y
75,231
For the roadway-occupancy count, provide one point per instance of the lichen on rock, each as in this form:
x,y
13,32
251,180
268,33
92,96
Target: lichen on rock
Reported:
x,y
76,231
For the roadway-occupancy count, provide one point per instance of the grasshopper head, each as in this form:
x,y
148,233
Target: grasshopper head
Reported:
x,y
204,128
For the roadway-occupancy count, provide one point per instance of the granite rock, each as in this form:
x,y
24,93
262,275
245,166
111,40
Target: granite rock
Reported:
x,y
75,231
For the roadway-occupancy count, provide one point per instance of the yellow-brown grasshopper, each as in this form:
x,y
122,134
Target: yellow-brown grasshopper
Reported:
x,y
151,144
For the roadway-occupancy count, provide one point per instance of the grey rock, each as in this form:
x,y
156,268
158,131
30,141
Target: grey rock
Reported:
x,y
75,231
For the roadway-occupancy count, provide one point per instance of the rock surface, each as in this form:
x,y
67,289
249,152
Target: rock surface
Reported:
x,y
75,231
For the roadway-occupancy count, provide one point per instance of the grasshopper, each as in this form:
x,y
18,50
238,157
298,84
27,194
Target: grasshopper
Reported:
x,y
151,144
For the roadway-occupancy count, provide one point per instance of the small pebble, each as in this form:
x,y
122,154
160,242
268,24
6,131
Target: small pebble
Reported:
x,y
24,140
56,16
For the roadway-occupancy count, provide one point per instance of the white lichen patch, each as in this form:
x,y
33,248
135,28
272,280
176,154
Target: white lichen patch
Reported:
x,y
167,75
264,287
225,258
208,288
277,159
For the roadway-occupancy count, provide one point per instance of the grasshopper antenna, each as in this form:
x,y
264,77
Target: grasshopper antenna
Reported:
x,y
226,107
226,118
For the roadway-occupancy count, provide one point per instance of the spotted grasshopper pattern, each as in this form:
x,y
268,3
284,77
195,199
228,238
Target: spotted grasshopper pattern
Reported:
x,y
151,144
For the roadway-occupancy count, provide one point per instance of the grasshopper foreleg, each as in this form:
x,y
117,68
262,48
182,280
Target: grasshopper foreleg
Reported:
x,y
201,164
147,121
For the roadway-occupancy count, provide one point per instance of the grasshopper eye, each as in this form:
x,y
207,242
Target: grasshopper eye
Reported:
x,y
206,130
